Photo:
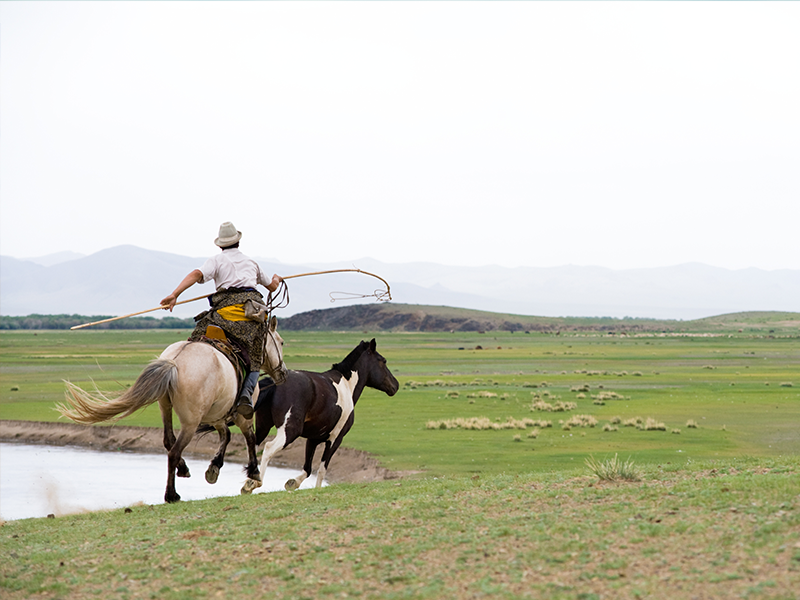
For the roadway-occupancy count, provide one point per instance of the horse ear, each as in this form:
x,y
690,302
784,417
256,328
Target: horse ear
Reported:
x,y
372,345
273,323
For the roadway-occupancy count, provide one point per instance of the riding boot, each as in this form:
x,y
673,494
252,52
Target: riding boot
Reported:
x,y
244,403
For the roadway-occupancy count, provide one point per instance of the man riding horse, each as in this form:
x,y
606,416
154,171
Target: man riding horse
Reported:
x,y
236,307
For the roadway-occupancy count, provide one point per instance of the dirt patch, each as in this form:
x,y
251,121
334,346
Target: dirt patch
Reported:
x,y
348,465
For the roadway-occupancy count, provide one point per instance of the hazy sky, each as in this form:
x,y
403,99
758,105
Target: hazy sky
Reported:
x,y
632,134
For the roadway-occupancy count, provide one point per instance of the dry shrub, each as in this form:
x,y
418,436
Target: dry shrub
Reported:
x,y
541,405
609,395
484,423
581,421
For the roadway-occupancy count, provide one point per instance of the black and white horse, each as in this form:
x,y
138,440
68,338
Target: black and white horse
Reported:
x,y
318,407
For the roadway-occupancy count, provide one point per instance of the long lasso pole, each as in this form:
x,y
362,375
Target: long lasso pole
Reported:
x,y
141,312
381,296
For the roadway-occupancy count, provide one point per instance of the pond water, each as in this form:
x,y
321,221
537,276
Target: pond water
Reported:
x,y
36,481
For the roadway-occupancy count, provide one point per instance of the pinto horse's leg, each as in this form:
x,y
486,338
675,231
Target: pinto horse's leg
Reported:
x,y
293,484
327,454
269,451
286,433
330,450
169,435
212,473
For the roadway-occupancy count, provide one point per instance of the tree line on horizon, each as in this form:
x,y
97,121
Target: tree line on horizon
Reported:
x,y
68,321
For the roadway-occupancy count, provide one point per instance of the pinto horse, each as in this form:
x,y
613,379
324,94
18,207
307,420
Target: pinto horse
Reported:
x,y
318,407
199,383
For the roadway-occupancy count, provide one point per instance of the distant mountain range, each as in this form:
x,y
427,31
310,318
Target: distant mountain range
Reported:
x,y
127,279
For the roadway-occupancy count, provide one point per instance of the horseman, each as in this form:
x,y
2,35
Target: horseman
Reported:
x,y
236,307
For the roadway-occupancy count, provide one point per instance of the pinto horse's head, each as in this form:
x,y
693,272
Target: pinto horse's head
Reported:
x,y
378,374
273,345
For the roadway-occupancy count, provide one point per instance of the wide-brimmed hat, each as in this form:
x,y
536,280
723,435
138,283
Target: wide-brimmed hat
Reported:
x,y
227,235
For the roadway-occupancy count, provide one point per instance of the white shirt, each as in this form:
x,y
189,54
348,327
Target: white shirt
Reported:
x,y
231,268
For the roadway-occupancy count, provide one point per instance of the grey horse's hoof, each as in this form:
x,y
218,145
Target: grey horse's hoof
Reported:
x,y
291,485
212,473
250,485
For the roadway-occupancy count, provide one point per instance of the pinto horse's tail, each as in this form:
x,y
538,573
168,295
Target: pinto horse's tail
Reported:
x,y
158,380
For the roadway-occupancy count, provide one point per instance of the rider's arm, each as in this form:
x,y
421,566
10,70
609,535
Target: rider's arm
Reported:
x,y
195,276
270,284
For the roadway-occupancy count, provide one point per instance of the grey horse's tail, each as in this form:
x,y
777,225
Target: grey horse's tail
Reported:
x,y
158,380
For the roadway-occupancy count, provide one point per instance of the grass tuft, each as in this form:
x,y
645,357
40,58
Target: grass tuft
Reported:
x,y
613,469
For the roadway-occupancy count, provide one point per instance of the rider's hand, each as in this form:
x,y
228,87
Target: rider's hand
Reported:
x,y
169,302
275,283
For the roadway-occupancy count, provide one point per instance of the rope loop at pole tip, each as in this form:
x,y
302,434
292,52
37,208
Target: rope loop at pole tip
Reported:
x,y
379,294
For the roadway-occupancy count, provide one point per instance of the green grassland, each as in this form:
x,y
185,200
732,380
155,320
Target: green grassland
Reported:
x,y
731,531
488,513
740,389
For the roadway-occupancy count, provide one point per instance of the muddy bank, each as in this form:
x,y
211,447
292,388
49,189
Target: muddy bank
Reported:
x,y
348,465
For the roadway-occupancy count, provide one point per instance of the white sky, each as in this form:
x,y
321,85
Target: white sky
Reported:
x,y
526,133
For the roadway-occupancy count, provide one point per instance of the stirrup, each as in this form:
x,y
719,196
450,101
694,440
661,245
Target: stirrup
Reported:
x,y
245,407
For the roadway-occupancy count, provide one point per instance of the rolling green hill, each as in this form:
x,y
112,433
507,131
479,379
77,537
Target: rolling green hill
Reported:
x,y
422,318
410,317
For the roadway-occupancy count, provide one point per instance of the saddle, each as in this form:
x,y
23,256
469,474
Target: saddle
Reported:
x,y
216,337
